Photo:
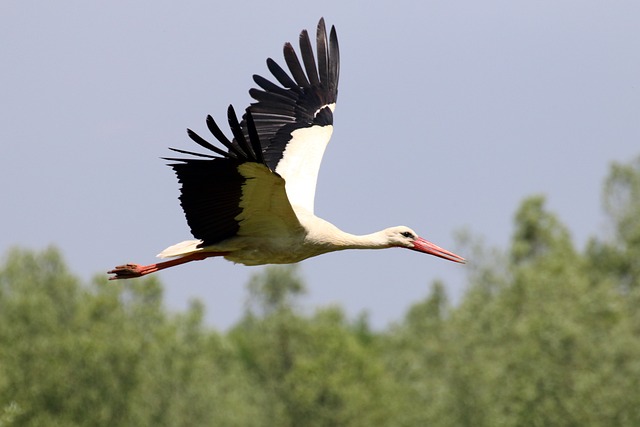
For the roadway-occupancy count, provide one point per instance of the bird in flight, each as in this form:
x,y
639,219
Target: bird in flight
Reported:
x,y
251,202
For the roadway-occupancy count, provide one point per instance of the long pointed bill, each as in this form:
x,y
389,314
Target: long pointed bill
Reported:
x,y
421,245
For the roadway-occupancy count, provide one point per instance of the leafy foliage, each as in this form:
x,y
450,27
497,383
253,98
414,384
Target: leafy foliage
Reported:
x,y
106,355
546,334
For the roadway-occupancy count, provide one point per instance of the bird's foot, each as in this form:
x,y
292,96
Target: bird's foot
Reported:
x,y
129,271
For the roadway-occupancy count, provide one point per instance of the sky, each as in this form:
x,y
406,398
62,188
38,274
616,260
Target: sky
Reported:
x,y
449,113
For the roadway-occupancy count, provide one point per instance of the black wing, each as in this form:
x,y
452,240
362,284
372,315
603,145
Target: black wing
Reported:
x,y
212,185
303,98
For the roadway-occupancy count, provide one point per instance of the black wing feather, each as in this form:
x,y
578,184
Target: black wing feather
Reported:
x,y
272,87
280,74
298,101
308,58
334,61
206,144
191,153
212,188
215,130
209,197
238,137
323,54
254,138
294,65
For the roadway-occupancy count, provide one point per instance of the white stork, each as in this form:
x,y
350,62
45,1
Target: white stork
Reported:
x,y
253,202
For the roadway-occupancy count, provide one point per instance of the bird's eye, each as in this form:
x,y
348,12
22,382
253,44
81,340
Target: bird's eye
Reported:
x,y
407,234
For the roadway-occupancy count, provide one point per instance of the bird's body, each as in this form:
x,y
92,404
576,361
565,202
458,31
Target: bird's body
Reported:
x,y
315,237
254,203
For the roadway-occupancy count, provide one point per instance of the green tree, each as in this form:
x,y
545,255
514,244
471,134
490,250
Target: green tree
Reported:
x,y
416,354
314,371
616,258
535,342
546,334
107,354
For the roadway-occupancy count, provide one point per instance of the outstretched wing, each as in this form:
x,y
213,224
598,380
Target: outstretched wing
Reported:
x,y
295,120
232,192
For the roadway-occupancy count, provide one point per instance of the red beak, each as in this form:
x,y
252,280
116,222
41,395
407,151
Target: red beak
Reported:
x,y
421,245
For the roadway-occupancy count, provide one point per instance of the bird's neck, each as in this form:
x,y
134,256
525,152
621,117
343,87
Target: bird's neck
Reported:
x,y
377,240
323,233
338,239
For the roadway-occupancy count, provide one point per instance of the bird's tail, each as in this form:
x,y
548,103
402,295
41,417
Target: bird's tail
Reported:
x,y
179,249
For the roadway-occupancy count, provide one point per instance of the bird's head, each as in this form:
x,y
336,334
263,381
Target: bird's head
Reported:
x,y
404,237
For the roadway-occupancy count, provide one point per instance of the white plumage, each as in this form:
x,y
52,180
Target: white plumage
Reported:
x,y
253,203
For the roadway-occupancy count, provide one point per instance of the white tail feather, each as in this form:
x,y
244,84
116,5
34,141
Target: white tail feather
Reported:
x,y
182,248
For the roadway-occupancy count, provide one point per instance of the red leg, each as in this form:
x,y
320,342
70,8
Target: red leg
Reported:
x,y
129,271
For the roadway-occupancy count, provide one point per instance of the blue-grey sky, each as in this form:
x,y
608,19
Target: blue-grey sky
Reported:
x,y
448,114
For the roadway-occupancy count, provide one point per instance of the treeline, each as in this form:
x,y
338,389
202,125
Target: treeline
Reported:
x,y
546,335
